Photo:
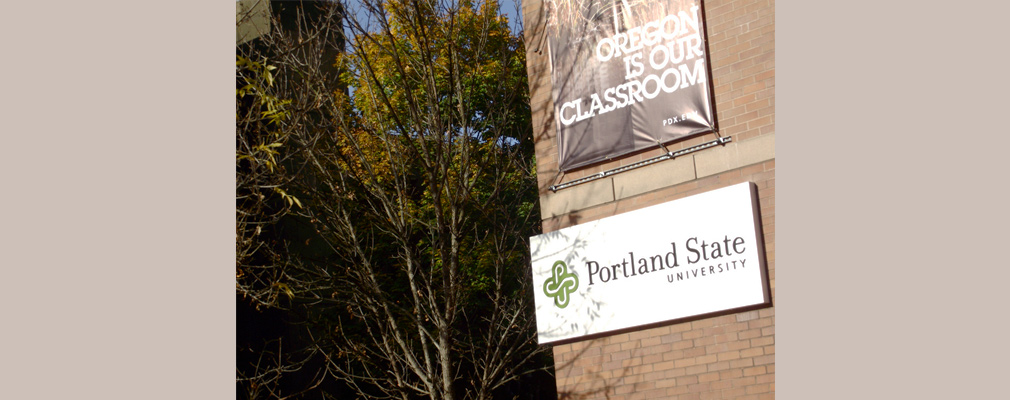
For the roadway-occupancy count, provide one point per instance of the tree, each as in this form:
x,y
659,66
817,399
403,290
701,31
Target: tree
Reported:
x,y
409,154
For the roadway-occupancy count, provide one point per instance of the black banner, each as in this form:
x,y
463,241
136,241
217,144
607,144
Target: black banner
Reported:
x,y
627,76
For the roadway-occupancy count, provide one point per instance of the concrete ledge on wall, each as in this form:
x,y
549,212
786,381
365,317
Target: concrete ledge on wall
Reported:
x,y
652,177
704,163
576,198
734,155
252,19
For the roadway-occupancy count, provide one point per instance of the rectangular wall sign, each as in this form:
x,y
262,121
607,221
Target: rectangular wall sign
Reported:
x,y
626,76
693,256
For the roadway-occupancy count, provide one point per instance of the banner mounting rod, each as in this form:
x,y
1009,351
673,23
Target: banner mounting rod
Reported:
x,y
663,157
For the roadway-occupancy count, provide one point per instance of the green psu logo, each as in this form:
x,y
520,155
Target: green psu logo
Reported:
x,y
561,284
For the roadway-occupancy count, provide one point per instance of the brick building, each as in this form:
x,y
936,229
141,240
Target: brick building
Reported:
x,y
726,356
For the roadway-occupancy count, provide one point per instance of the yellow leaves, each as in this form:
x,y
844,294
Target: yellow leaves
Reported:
x,y
245,90
285,288
292,200
367,155
264,153
269,76
275,112
257,68
258,76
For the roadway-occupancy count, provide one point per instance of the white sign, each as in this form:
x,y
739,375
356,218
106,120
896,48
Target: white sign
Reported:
x,y
693,256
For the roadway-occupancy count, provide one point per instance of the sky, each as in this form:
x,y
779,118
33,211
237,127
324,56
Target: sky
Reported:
x,y
508,7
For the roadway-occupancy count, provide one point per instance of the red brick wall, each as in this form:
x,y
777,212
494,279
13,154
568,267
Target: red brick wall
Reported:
x,y
725,357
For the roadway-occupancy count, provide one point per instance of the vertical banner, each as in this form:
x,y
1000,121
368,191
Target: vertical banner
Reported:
x,y
627,75
689,257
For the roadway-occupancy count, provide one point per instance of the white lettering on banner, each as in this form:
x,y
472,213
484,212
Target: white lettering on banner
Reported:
x,y
629,93
671,43
636,37
697,255
675,77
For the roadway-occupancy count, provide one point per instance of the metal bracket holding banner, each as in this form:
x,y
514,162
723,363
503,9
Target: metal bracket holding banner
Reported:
x,y
653,160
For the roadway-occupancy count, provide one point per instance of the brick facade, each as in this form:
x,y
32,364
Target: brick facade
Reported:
x,y
730,356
